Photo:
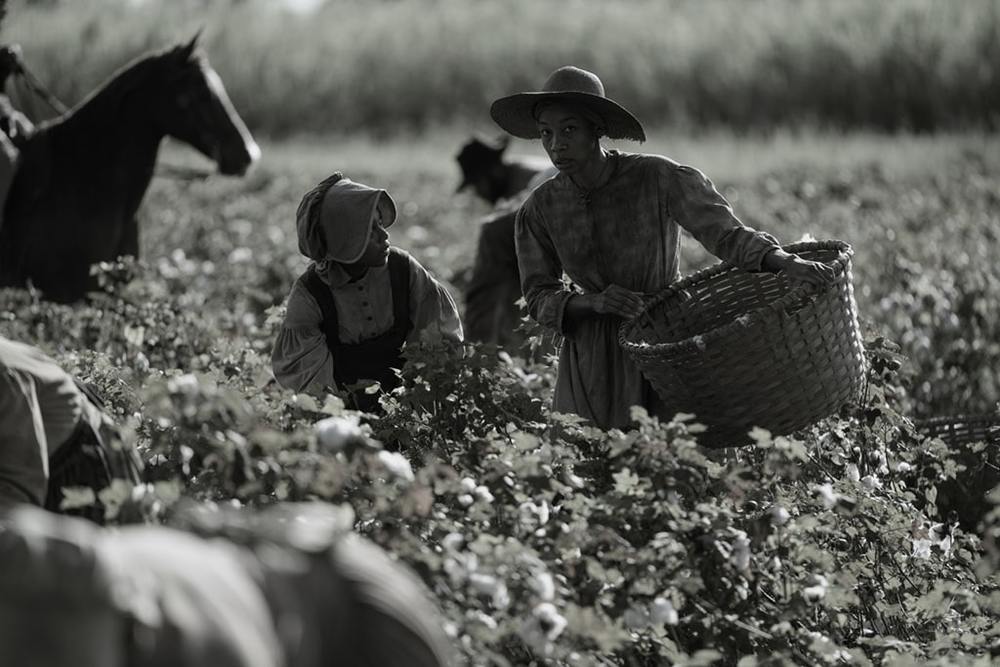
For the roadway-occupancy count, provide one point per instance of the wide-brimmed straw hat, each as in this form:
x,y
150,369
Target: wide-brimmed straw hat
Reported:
x,y
567,85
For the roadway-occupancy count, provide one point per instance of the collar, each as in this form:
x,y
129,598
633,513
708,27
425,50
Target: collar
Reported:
x,y
333,274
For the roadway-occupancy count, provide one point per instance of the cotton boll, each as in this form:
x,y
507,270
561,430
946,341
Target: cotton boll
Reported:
x,y
335,434
662,612
397,464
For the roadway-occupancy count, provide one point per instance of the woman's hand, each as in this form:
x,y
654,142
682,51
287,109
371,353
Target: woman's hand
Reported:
x,y
816,274
615,300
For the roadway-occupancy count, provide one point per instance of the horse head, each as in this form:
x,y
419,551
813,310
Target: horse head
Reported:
x,y
193,107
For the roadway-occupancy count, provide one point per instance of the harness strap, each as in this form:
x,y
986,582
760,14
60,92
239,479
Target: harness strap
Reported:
x,y
399,279
36,86
321,292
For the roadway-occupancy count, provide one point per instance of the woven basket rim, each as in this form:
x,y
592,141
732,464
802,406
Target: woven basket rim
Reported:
x,y
793,300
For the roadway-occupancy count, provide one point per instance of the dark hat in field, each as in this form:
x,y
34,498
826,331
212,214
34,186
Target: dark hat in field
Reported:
x,y
478,157
567,85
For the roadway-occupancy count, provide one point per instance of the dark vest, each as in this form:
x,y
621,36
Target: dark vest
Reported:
x,y
371,359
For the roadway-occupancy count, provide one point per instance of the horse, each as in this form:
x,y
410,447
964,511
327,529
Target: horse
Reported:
x,y
83,175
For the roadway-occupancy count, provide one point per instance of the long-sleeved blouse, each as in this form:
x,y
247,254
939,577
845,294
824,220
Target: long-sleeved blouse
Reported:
x,y
625,232
301,359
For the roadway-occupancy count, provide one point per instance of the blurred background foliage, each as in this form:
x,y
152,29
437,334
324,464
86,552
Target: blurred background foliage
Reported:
x,y
321,66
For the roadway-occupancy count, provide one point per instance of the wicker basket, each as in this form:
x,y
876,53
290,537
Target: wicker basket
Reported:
x,y
962,429
740,349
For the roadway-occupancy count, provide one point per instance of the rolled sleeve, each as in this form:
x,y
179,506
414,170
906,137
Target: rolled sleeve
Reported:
x,y
697,206
434,313
300,358
541,270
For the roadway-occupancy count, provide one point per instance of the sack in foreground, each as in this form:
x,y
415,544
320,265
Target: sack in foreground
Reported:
x,y
740,349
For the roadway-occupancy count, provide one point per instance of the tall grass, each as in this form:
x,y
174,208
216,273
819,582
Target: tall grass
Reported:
x,y
401,64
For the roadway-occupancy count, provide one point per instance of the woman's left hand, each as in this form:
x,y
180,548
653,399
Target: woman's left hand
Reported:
x,y
816,274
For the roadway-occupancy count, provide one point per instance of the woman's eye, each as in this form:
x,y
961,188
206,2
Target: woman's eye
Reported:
x,y
569,129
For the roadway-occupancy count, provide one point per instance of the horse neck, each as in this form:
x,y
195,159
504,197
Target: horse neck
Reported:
x,y
116,137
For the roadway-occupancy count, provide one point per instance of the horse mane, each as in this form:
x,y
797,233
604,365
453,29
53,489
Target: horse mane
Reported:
x,y
138,71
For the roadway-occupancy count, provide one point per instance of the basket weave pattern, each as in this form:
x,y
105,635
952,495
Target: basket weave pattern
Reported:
x,y
962,429
740,349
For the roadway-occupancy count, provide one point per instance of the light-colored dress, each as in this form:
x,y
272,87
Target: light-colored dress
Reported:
x,y
624,232
301,359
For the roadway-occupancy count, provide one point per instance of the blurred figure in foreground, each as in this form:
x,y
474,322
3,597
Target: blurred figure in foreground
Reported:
x,y
289,586
53,434
491,311
361,299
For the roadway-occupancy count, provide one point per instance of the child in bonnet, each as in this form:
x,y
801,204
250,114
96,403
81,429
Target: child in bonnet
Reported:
x,y
350,313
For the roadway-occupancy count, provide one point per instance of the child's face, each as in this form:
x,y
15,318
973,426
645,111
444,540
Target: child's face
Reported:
x,y
377,251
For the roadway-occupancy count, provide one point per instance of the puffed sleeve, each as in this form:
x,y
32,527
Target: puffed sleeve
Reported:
x,y
698,207
541,270
434,313
300,358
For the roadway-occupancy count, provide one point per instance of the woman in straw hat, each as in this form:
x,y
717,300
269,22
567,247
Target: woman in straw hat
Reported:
x,y
611,222
360,300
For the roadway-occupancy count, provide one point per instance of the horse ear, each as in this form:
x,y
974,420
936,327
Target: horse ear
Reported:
x,y
188,49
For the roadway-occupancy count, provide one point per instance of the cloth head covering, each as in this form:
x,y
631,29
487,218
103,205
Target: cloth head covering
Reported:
x,y
567,85
334,219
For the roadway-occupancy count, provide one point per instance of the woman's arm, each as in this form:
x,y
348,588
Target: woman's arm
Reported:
x,y
300,358
541,271
694,203
698,207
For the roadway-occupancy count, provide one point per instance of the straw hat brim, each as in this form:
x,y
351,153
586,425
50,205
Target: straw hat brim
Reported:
x,y
514,114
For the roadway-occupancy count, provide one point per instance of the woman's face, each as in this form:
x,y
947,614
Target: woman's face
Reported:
x,y
569,139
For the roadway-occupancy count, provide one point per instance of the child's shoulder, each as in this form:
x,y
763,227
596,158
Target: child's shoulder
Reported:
x,y
396,250
402,258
